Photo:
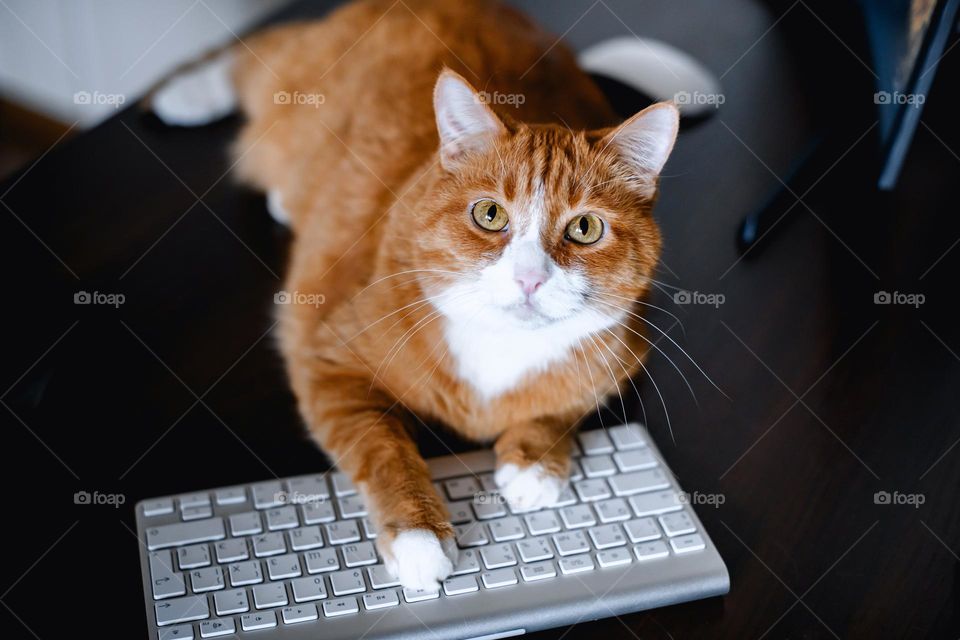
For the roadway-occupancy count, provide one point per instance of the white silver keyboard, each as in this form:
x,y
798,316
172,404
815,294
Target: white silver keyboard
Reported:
x,y
295,558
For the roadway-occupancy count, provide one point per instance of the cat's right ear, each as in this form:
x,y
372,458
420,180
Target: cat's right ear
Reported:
x,y
464,121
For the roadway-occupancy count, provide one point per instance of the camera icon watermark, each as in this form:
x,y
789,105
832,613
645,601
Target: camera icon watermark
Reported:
x,y
299,98
899,298
96,98
510,99
914,500
896,97
114,500
698,297
96,297
297,297
714,500
699,98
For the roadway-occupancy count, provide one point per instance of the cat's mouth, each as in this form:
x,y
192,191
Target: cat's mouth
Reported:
x,y
530,315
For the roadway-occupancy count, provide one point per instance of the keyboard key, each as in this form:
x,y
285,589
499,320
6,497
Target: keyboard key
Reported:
x,y
196,555
340,607
285,566
305,538
467,562
282,518
194,500
642,530
628,484
299,613
343,532
497,556
635,460
471,535
487,506
499,578
577,564
232,550
534,549
580,515
613,510
687,544
359,555
595,442
566,498
538,571
269,595
209,579
598,466
307,489
571,543
342,486
505,529
166,582
244,573
381,600
369,531
677,524
380,578
459,585
542,522
460,512
608,536
461,488
185,609
352,507
318,513
269,544
179,632
628,436
614,558
419,595
307,589
246,524
217,627
268,494
651,550
174,535
196,513
233,601
260,620
488,483
593,489
576,471
157,507
347,582
650,504
321,560
232,495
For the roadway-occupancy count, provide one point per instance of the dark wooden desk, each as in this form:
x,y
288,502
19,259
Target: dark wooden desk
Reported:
x,y
832,397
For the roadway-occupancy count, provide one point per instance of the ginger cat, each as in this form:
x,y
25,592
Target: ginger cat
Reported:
x,y
479,262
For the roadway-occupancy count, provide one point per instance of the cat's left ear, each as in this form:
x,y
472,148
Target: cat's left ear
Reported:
x,y
464,121
644,141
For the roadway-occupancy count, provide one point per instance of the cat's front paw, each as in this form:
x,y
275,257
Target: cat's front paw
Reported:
x,y
419,559
528,488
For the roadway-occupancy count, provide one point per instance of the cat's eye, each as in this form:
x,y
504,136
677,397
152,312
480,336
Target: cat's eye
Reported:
x,y
585,229
490,215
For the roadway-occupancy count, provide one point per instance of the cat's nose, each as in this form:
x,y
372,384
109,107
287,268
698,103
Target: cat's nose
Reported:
x,y
530,280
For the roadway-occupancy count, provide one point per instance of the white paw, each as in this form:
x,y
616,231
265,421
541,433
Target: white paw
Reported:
x,y
419,560
529,488
275,207
197,96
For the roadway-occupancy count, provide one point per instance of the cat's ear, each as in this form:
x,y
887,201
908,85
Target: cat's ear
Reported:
x,y
464,121
644,141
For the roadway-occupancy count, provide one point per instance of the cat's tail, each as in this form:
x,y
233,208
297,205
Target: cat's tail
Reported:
x,y
657,70
197,94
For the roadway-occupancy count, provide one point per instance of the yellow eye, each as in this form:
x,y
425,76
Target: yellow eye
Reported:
x,y
585,229
489,215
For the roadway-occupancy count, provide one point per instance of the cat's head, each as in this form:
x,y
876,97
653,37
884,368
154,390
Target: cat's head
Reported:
x,y
535,226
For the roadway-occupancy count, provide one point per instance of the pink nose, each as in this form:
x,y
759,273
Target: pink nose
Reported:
x,y
530,281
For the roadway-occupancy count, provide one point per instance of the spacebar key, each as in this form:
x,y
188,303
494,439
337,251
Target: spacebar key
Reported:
x,y
182,610
172,535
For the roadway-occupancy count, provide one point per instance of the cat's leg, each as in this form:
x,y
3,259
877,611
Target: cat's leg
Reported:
x,y
533,462
363,432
